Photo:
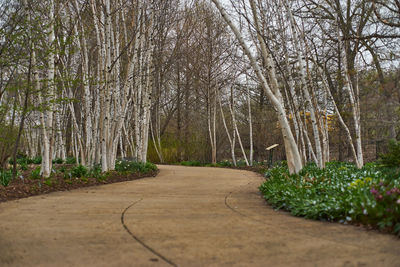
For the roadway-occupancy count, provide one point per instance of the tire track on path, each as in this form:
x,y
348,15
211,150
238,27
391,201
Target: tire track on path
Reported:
x,y
141,242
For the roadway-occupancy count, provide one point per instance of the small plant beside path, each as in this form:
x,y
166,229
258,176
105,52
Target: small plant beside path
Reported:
x,y
67,177
340,192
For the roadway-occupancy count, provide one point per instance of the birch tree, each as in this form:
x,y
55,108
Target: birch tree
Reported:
x,y
271,88
47,99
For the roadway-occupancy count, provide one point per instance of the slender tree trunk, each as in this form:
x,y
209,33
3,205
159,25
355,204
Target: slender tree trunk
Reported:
x,y
235,128
24,111
305,87
292,152
231,140
250,124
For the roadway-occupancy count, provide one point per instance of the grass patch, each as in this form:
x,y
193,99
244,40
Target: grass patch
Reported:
x,y
340,192
5,177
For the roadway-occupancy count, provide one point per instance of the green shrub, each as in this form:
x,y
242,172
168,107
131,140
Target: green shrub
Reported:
x,y
25,160
261,163
20,161
79,171
58,161
241,163
70,160
281,163
62,169
8,134
48,182
224,163
150,166
134,167
67,175
37,160
211,165
340,192
23,166
392,158
36,174
191,163
5,177
97,173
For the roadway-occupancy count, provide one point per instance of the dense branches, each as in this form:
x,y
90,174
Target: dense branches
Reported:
x,y
174,80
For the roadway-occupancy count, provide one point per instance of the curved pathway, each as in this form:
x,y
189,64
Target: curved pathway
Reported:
x,y
186,216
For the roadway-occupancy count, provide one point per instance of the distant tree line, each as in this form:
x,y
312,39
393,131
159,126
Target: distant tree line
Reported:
x,y
173,80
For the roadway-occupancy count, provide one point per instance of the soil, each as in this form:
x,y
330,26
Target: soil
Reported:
x,y
24,186
186,216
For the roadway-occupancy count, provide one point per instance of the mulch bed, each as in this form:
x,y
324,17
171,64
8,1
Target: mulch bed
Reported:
x,y
26,187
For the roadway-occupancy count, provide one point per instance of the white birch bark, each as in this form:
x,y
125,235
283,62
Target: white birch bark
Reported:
x,y
339,115
305,87
47,117
250,124
45,167
231,139
97,131
155,143
142,84
235,128
292,152
87,111
354,102
211,125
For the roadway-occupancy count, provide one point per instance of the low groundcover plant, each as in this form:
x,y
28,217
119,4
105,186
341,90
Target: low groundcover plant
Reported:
x,y
340,192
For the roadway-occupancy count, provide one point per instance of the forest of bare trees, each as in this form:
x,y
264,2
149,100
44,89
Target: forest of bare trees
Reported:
x,y
208,80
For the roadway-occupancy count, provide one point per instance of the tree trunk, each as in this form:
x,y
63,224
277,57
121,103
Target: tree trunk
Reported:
x,y
292,152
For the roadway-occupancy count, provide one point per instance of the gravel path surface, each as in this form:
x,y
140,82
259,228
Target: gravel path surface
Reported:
x,y
186,216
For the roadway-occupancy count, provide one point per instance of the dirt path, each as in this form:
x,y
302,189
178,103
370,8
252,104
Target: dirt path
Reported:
x,y
184,217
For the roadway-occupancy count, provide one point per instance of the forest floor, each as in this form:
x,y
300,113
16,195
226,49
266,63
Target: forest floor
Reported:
x,y
186,216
